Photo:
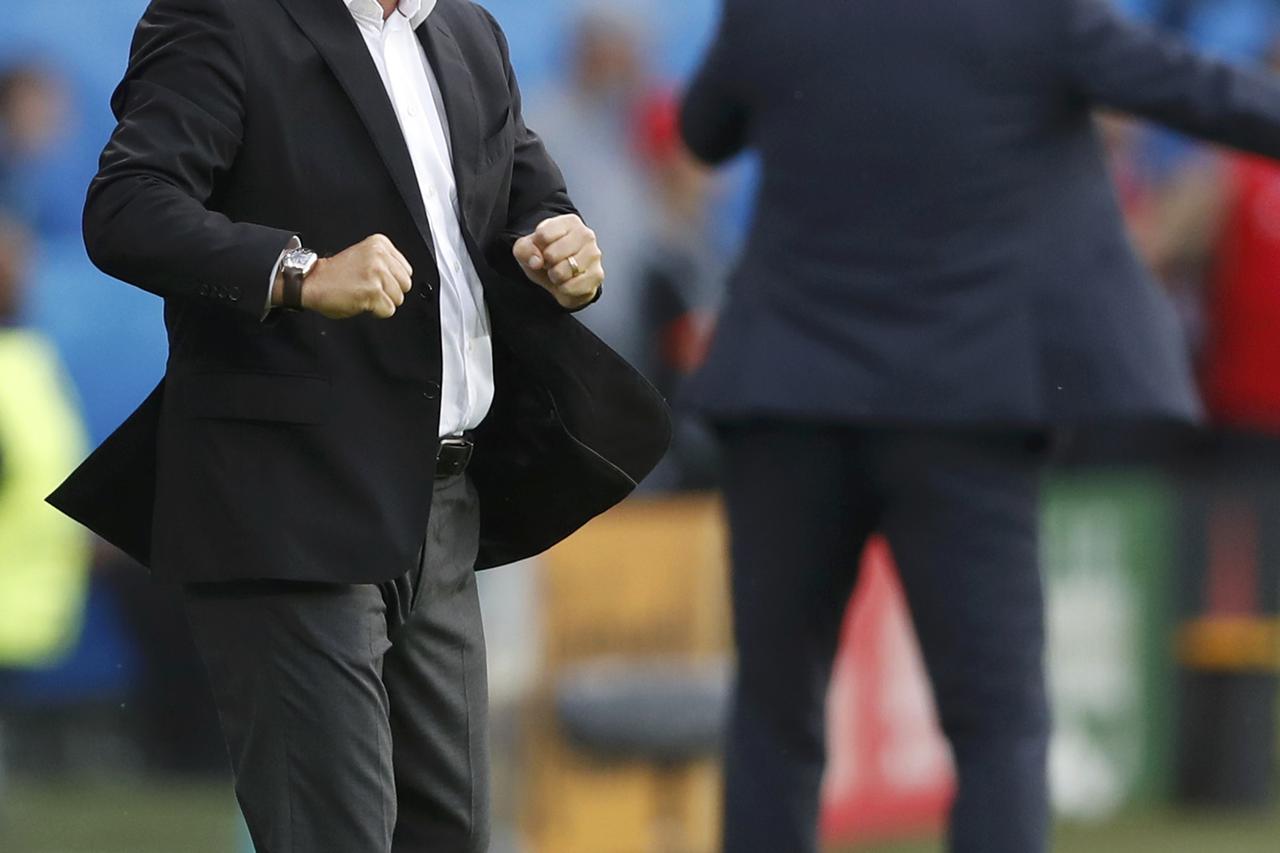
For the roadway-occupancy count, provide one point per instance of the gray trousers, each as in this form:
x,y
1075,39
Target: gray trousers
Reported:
x,y
356,715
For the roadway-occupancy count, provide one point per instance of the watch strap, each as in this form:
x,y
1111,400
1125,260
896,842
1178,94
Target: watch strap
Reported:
x,y
291,298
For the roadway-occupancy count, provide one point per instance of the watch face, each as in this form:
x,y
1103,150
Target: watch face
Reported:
x,y
301,260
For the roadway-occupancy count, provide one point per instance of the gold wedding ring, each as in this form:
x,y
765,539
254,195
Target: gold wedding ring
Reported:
x,y
573,265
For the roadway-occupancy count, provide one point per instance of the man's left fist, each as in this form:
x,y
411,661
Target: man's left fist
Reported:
x,y
563,256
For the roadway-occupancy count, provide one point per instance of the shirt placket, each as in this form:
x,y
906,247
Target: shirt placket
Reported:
x,y
399,52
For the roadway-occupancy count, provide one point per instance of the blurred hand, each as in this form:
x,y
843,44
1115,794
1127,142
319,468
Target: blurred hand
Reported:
x,y
545,256
371,277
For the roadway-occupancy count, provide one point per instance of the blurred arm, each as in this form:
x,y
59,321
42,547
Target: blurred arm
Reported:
x,y
713,117
1116,63
1189,217
180,123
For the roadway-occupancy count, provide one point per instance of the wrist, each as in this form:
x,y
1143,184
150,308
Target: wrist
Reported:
x,y
308,292
586,301
298,265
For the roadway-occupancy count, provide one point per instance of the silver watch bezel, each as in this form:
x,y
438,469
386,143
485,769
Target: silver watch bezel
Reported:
x,y
301,261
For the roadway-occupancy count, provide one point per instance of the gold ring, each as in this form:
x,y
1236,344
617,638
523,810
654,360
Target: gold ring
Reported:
x,y
573,265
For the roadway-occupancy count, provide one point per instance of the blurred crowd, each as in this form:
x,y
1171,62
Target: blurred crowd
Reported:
x,y
1209,223
613,128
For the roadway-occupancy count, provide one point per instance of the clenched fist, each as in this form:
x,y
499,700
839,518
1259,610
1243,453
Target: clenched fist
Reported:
x,y
371,277
563,256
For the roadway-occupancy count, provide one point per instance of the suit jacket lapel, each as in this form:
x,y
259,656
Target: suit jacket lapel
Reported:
x,y
457,88
329,26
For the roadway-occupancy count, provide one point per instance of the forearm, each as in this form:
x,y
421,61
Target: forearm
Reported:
x,y
180,125
1189,216
154,236
713,126
714,115
1157,76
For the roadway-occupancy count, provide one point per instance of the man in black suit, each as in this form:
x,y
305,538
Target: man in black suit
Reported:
x,y
374,387
937,276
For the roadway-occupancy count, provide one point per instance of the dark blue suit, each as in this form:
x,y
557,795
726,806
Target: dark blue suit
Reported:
x,y
937,271
937,239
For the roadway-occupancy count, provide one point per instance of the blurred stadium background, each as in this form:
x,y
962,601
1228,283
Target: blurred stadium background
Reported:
x,y
608,658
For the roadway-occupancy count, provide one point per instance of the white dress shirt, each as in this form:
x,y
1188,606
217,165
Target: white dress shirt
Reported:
x,y
466,386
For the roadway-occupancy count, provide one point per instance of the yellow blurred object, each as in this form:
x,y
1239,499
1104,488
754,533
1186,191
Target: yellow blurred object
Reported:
x,y
1231,644
44,556
647,580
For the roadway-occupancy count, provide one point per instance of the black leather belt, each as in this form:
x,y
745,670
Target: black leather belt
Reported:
x,y
454,456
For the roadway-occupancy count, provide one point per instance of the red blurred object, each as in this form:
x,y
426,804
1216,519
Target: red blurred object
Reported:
x,y
685,341
1241,370
889,774
658,128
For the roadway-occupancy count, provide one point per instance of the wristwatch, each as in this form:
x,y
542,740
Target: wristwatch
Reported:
x,y
297,264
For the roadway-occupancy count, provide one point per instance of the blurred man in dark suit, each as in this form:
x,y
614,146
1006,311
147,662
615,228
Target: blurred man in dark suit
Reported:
x,y
936,277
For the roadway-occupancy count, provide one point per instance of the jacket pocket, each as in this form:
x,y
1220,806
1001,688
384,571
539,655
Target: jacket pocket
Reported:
x,y
250,396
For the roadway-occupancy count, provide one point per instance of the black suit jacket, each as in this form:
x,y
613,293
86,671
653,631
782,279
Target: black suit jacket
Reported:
x,y
303,448
937,239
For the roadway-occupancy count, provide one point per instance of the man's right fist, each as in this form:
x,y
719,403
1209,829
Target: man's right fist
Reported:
x,y
370,277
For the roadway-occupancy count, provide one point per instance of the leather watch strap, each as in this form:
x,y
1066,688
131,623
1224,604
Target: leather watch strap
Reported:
x,y
291,298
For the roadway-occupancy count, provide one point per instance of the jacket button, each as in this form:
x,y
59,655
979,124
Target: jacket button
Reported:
x,y
433,390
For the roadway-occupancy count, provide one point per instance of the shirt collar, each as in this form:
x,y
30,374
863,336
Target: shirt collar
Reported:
x,y
370,10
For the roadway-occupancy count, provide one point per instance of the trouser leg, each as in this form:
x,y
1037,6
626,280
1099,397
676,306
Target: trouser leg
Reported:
x,y
798,521
963,522
296,672
436,679
357,714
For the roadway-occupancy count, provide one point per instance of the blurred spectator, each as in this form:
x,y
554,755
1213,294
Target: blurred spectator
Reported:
x,y
1218,223
589,126
32,114
681,282
1242,350
44,557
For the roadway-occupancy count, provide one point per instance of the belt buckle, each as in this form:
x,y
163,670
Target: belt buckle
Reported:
x,y
454,456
